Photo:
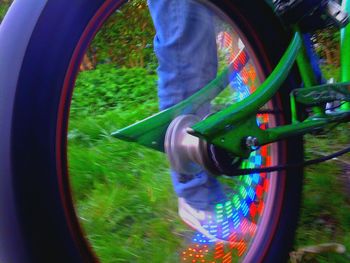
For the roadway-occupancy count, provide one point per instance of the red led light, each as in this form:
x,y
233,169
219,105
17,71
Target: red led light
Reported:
x,y
245,225
227,258
243,58
268,160
263,151
235,65
245,76
259,191
261,207
252,73
241,248
252,229
219,250
253,210
252,88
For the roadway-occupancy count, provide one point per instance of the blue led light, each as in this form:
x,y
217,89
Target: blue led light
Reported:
x,y
236,221
245,208
256,178
251,194
258,160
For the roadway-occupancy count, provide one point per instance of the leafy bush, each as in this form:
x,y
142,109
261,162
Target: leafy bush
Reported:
x,y
108,87
126,38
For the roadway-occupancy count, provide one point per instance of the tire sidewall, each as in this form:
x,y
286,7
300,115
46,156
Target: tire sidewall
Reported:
x,y
36,212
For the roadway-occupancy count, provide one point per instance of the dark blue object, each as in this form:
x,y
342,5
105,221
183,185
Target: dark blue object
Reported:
x,y
314,59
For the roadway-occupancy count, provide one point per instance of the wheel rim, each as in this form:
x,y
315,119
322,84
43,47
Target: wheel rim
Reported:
x,y
245,203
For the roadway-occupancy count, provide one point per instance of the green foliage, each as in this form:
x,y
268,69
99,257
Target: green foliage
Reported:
x,y
4,5
126,39
126,211
107,87
327,44
325,214
329,71
123,192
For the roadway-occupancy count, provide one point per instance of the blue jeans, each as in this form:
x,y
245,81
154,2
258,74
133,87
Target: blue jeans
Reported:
x,y
185,46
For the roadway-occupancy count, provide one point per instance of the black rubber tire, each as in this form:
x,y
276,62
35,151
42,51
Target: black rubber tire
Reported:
x,y
41,45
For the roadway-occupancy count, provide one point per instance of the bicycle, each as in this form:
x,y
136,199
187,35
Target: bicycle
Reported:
x,y
41,224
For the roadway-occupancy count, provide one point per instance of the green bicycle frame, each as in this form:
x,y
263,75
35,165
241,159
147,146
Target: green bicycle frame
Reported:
x,y
230,127
345,52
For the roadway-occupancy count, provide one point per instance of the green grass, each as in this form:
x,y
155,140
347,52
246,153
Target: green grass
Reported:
x,y
325,214
123,193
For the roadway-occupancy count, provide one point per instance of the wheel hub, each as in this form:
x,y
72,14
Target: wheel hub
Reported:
x,y
189,154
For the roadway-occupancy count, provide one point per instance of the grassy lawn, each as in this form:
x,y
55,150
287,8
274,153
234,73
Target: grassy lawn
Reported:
x,y
123,192
325,215
119,204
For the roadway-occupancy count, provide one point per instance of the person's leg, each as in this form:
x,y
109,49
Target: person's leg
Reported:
x,y
185,46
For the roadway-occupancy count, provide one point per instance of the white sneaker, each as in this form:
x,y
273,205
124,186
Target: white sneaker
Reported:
x,y
217,224
197,219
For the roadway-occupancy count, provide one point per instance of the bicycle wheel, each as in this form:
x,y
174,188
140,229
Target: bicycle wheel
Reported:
x,y
42,45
